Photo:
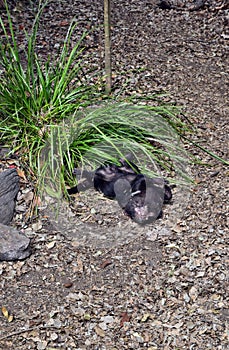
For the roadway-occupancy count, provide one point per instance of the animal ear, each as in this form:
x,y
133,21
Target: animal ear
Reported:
x,y
107,172
128,167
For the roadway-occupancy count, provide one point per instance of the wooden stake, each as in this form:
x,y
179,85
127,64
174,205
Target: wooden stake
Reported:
x,y
107,45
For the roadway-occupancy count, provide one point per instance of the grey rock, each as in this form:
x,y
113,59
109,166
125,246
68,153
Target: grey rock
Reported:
x,y
13,244
9,187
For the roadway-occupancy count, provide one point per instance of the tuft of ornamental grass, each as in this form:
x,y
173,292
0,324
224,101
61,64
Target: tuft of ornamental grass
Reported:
x,y
149,134
33,94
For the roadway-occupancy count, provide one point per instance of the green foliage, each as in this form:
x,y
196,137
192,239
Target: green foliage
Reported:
x,y
34,95
110,132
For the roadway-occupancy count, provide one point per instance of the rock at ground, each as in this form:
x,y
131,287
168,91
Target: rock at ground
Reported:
x,y
13,244
9,187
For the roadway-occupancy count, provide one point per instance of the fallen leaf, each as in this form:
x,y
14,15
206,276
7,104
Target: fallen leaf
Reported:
x,y
68,284
50,245
37,226
13,163
5,312
210,125
75,243
105,263
125,318
10,318
99,331
87,317
193,293
21,174
64,23
79,264
145,317
198,181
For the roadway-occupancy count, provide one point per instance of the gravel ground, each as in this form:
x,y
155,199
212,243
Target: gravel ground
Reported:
x,y
166,286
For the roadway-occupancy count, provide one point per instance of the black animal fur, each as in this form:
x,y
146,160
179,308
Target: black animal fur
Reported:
x,y
140,197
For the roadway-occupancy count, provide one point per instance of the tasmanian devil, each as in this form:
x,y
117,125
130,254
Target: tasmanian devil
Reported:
x,y
104,178
147,198
140,197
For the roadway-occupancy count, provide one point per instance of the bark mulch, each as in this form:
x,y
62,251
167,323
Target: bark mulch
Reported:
x,y
165,285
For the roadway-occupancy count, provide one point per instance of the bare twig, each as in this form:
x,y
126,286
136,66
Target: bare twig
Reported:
x,y
26,330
